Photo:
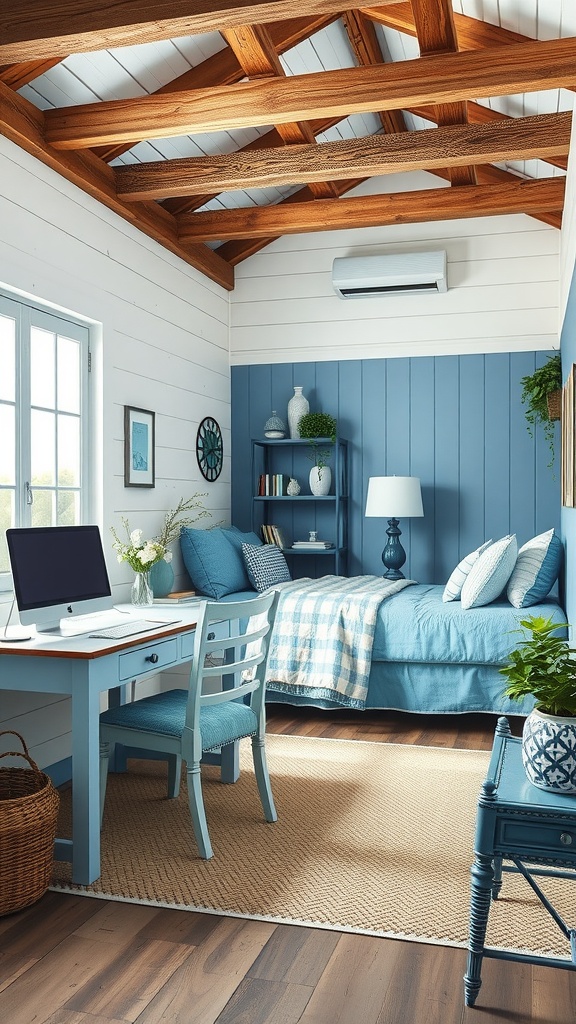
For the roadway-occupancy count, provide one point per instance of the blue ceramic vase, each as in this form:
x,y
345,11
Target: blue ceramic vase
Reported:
x,y
162,578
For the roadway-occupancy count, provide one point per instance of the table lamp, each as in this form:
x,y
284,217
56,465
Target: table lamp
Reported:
x,y
394,497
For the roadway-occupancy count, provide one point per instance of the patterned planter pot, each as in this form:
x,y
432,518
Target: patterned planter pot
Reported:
x,y
549,752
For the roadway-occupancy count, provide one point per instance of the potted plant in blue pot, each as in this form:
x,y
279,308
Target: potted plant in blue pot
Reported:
x,y
543,666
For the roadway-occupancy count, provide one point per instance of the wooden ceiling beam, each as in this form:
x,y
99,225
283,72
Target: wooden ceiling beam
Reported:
x,y
472,33
438,79
17,75
544,194
222,68
434,21
23,124
254,50
522,138
366,48
239,249
41,29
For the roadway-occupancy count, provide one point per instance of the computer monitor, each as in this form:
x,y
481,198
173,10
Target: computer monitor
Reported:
x,y
59,572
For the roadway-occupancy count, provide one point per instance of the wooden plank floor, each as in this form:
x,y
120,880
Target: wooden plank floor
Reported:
x,y
75,960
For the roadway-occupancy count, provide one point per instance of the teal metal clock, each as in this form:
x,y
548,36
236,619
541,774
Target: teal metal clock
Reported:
x,y
209,448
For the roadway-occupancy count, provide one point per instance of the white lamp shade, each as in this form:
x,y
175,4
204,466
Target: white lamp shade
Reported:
x,y
394,497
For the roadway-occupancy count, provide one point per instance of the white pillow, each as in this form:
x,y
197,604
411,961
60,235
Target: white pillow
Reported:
x,y
453,588
490,573
536,570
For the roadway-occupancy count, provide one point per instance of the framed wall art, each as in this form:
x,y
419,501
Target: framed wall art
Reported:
x,y
139,441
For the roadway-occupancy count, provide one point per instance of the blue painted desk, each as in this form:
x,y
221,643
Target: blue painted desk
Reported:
x,y
520,823
83,668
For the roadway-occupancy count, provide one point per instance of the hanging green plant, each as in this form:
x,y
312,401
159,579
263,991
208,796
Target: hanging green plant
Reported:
x,y
536,388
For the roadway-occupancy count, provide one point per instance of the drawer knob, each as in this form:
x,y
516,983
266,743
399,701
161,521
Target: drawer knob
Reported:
x,y
566,839
211,636
153,658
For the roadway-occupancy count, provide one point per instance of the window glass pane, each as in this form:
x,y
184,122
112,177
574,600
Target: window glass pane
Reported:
x,y
68,451
7,357
7,445
44,508
42,448
6,521
68,508
42,368
68,375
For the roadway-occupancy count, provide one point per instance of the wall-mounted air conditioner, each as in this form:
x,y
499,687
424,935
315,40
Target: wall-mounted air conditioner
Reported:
x,y
360,277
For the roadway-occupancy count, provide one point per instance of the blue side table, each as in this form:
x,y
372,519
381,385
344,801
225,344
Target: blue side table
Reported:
x,y
519,823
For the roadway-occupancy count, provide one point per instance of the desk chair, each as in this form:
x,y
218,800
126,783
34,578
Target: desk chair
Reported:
x,y
184,723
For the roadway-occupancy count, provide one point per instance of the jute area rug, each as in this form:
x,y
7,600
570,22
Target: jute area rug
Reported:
x,y
374,838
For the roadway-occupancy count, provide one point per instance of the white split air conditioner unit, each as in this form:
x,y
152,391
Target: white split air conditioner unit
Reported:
x,y
404,273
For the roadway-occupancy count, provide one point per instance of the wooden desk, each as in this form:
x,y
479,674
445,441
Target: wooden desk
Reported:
x,y
83,668
517,822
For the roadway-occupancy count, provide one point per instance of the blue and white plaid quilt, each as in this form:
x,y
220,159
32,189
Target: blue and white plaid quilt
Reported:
x,y
321,643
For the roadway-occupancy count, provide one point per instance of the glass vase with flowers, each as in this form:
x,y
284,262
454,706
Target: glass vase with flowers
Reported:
x,y
141,555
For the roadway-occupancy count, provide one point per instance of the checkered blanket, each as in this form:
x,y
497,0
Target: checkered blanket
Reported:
x,y
321,643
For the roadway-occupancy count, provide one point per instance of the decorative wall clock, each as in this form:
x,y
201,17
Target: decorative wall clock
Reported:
x,y
209,449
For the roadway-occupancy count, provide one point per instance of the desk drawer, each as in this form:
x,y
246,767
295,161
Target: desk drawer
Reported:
x,y
152,658
537,837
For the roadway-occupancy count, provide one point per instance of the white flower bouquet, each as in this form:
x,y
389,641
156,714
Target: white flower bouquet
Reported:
x,y
140,554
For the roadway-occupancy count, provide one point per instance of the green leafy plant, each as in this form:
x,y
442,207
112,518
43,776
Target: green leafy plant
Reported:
x,y
535,390
542,666
314,425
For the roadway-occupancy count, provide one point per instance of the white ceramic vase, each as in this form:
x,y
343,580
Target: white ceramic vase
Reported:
x,y
298,406
320,480
549,752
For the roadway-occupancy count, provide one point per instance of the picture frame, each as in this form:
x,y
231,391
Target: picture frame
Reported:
x,y
139,447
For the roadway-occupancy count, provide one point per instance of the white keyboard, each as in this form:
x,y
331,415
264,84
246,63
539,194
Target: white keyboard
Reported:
x,y
131,628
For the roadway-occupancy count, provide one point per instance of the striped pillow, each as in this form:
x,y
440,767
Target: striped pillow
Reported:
x,y
536,570
453,588
265,565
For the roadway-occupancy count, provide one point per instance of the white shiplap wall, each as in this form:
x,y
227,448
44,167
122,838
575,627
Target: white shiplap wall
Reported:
x,y
502,291
160,343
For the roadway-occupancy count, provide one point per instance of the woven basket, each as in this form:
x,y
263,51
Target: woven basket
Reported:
x,y
554,403
28,812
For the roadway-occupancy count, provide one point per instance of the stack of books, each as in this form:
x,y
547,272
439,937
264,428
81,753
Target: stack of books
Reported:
x,y
273,535
178,597
274,485
312,545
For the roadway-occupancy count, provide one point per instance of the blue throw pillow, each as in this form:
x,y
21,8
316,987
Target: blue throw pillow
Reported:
x,y
266,565
536,570
237,538
215,565
453,588
490,573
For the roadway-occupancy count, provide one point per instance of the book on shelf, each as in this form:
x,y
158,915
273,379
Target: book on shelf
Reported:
x,y
178,597
273,485
272,534
312,544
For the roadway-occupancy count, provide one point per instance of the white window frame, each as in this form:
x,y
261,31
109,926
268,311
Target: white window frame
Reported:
x,y
28,314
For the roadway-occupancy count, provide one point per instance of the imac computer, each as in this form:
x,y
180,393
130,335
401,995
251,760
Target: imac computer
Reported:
x,y
59,572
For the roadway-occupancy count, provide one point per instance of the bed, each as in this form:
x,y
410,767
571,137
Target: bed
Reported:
x,y
410,649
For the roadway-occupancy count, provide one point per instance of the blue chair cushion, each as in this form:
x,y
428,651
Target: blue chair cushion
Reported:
x,y
214,561
164,713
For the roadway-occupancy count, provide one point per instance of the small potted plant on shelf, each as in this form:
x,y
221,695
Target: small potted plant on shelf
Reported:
x,y
542,395
313,427
543,667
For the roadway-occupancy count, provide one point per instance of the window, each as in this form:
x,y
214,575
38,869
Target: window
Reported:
x,y
43,420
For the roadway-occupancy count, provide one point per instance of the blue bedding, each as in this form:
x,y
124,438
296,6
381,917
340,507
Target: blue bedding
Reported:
x,y
416,625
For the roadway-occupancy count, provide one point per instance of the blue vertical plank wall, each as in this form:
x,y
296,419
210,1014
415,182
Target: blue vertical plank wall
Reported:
x,y
457,422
